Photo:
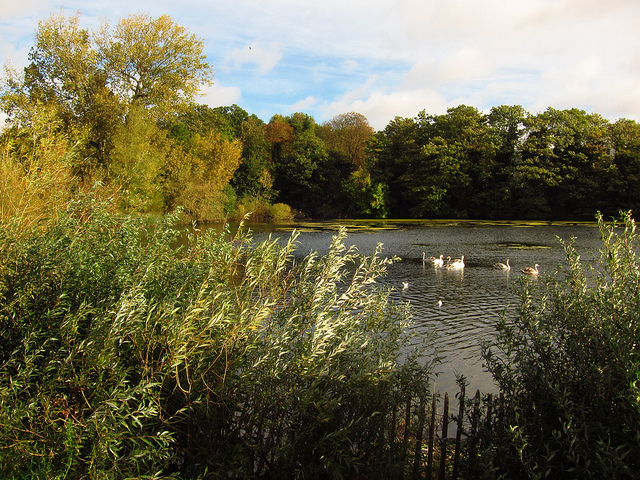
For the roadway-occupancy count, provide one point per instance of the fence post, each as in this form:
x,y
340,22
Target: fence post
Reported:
x,y
418,452
456,455
405,441
474,426
445,427
432,434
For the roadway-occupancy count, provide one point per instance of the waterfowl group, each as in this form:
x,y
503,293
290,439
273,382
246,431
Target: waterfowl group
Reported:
x,y
458,264
437,262
440,263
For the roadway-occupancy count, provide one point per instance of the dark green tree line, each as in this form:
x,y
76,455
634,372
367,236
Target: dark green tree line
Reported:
x,y
509,164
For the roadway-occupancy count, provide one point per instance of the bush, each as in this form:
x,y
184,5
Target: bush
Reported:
x,y
259,210
122,357
280,211
569,371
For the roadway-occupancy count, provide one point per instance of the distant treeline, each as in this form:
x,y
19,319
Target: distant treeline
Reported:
x,y
506,164
118,106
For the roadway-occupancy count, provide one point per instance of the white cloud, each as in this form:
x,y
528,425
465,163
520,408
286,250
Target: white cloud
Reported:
x,y
263,58
380,106
216,95
393,58
10,8
302,105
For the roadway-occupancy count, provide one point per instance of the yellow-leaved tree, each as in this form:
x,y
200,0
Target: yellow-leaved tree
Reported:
x,y
113,84
139,154
204,174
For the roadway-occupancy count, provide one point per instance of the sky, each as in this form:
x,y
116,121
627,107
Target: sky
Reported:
x,y
388,58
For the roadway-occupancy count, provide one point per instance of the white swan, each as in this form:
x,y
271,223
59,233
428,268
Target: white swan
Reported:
x,y
438,262
405,285
458,263
502,266
531,270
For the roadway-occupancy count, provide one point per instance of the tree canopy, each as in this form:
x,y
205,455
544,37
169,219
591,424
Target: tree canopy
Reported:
x,y
123,98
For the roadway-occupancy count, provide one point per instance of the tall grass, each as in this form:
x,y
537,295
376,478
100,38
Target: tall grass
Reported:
x,y
122,357
569,371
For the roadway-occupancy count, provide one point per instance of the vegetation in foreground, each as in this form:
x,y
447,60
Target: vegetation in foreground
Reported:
x,y
569,372
123,357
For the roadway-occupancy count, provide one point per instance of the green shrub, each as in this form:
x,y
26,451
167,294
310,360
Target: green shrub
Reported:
x,y
568,369
123,357
280,211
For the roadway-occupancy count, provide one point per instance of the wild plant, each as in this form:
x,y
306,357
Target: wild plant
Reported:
x,y
567,367
123,356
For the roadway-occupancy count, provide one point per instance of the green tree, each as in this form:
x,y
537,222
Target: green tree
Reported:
x,y
506,132
254,177
362,197
139,154
234,117
152,61
624,182
348,134
443,178
294,179
201,176
564,159
93,76
391,153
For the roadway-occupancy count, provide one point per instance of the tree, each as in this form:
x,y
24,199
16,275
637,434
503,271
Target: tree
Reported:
x,y
624,181
280,135
348,134
154,62
565,157
295,171
506,132
254,177
139,153
441,179
93,77
390,155
362,197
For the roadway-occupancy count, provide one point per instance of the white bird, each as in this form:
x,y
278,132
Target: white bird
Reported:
x,y
502,266
439,303
405,285
458,263
438,262
531,270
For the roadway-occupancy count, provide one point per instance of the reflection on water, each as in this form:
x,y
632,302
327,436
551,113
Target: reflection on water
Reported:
x,y
462,306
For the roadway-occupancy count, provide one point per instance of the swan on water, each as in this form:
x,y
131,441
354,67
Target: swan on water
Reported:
x,y
531,270
502,266
458,263
437,262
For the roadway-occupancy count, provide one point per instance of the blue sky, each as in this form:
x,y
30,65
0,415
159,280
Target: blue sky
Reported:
x,y
389,58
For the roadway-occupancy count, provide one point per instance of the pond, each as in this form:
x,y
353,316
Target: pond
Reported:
x,y
461,306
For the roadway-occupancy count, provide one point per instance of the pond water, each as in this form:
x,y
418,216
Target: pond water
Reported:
x,y
461,306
